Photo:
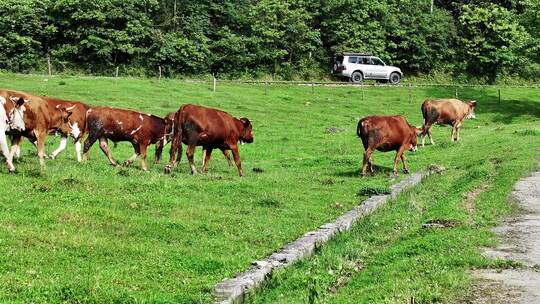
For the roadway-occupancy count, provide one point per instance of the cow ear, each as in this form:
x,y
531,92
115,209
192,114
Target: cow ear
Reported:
x,y
18,101
472,103
245,121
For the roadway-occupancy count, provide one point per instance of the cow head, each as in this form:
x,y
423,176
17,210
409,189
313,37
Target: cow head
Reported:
x,y
169,126
16,114
246,134
65,126
472,106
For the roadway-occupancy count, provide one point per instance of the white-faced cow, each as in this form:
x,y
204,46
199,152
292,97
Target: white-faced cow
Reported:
x,y
39,117
11,120
140,129
210,128
446,112
386,133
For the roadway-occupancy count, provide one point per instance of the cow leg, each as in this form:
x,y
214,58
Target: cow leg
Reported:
x,y
105,148
15,146
203,156
458,128
159,148
142,149
41,136
88,144
176,147
207,152
5,151
366,162
430,134
61,147
190,152
236,156
133,157
453,132
78,148
396,159
405,165
228,157
370,164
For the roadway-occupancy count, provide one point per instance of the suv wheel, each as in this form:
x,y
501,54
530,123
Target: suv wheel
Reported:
x,y
357,77
395,78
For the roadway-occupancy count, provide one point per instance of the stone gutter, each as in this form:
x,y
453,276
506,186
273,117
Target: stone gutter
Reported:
x,y
236,289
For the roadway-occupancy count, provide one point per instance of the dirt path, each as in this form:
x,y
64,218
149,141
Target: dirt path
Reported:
x,y
520,242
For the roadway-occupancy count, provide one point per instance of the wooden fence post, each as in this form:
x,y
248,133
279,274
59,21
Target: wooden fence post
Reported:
x,y
410,93
499,96
159,78
362,87
116,74
49,64
456,93
312,88
214,88
265,87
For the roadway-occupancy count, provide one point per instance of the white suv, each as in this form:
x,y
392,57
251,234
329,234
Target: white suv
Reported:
x,y
358,67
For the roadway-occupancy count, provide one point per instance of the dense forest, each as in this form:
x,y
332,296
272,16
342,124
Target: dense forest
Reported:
x,y
283,39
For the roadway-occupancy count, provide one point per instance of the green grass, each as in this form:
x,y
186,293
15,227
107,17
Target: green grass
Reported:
x,y
92,233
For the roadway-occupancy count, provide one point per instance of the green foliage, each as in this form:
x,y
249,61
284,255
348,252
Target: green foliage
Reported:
x,y
282,38
492,39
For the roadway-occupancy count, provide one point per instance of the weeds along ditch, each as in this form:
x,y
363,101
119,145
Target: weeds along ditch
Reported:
x,y
94,233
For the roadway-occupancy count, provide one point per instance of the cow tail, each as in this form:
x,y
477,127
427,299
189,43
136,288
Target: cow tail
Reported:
x,y
176,145
425,114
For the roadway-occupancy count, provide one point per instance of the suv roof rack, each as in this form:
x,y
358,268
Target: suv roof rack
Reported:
x,y
355,54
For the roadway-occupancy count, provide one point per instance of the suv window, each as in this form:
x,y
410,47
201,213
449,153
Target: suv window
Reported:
x,y
339,59
363,60
352,59
376,61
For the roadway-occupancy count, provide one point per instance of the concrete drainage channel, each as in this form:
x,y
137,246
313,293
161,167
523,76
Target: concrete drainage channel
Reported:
x,y
235,290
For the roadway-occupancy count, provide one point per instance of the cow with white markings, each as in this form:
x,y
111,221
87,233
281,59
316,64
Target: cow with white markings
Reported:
x,y
140,129
39,117
11,119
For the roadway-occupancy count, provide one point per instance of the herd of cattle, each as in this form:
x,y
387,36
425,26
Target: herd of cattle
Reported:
x,y
35,117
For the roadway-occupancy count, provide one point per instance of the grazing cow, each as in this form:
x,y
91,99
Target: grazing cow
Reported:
x,y
10,120
446,112
40,118
210,128
386,133
77,121
140,129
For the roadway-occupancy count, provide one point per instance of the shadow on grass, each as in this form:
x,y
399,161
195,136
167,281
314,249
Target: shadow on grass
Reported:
x,y
378,170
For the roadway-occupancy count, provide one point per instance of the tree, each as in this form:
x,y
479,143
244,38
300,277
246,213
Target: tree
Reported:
x,y
491,39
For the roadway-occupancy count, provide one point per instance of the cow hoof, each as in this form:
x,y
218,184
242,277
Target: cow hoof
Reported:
x,y
168,169
405,171
126,164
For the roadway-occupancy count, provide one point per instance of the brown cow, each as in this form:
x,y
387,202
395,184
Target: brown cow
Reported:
x,y
170,116
140,129
446,111
210,128
386,133
40,118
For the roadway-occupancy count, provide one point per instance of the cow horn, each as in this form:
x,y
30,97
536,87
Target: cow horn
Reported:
x,y
70,108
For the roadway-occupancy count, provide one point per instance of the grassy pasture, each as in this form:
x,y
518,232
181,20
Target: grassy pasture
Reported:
x,y
96,234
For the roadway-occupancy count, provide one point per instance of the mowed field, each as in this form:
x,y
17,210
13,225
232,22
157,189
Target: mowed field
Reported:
x,y
93,233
